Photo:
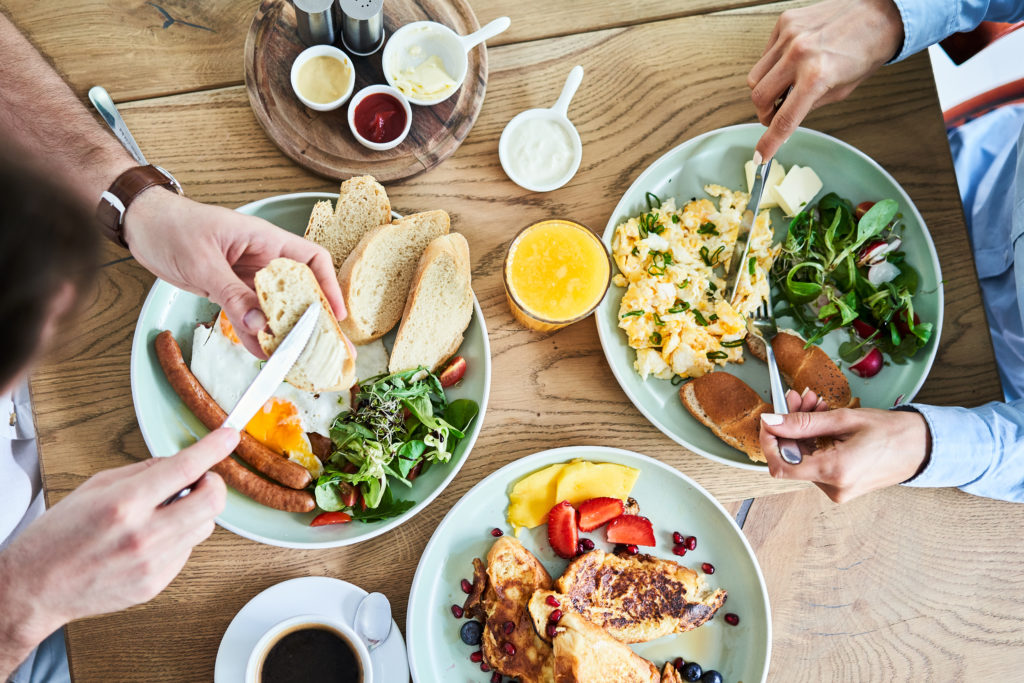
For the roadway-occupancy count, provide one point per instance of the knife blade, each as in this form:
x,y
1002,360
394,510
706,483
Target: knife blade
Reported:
x,y
742,247
273,373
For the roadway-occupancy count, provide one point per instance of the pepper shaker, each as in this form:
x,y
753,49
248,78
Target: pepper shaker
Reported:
x,y
362,25
316,21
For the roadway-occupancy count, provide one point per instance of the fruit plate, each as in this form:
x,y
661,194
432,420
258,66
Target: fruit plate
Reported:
x,y
168,426
672,501
718,157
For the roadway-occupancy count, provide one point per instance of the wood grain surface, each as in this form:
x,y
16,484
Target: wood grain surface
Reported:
x,y
554,390
322,141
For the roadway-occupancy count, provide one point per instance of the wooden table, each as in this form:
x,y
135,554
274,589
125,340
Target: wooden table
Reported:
x,y
899,585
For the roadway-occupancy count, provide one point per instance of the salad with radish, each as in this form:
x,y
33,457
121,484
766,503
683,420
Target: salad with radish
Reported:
x,y
841,267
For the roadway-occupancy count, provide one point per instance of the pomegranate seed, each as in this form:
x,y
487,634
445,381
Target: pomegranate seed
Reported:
x,y
691,542
484,667
467,587
497,532
477,656
495,677
456,611
678,663
551,630
632,549
552,600
732,619
555,616
708,568
679,550
587,544
579,548
509,627
620,548
509,649
677,537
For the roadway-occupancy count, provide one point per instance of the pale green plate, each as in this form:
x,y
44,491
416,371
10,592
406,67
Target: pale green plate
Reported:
x,y
718,157
672,501
168,426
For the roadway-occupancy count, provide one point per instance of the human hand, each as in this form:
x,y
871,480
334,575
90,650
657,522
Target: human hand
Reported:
x,y
215,252
109,544
870,449
824,51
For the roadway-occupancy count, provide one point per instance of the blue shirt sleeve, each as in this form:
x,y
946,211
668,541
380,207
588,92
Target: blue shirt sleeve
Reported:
x,y
978,450
926,22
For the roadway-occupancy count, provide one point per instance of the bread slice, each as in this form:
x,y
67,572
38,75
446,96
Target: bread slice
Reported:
x,y
803,369
585,652
438,309
729,408
285,289
362,205
375,277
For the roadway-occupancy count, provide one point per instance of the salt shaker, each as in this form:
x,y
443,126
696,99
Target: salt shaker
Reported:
x,y
316,21
362,25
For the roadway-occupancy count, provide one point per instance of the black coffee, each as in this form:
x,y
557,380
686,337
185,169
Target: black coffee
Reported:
x,y
311,655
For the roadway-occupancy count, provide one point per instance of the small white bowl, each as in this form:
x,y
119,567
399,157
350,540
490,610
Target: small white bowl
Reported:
x,y
372,90
323,51
417,42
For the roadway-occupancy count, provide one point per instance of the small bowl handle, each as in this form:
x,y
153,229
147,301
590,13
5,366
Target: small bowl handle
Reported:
x,y
499,25
572,83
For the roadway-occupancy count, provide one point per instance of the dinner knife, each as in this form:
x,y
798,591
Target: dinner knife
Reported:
x,y
268,379
742,247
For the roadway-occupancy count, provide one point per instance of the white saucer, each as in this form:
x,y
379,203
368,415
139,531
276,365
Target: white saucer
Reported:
x,y
307,595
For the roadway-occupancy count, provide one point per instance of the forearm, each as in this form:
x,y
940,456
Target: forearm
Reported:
x,y
22,627
42,121
926,22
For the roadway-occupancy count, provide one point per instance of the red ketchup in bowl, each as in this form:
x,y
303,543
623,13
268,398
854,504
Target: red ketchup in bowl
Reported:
x,y
379,117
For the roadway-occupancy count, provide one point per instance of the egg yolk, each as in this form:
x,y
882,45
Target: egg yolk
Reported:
x,y
278,427
226,329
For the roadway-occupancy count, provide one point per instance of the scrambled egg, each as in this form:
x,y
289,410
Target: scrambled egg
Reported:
x,y
671,262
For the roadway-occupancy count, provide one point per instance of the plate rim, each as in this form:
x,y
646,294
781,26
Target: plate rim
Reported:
x,y
929,242
138,338
568,452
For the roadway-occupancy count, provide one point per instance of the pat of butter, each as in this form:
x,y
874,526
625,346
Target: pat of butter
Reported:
x,y
797,190
427,80
775,177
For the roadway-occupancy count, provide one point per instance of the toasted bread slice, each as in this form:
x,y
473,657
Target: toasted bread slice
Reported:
x,y
375,277
585,653
730,408
811,368
362,205
285,289
604,589
438,309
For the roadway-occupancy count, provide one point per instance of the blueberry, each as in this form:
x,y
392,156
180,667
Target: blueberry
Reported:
x,y
471,631
711,676
691,671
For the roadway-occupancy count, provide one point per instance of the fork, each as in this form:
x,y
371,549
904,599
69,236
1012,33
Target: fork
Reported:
x,y
761,324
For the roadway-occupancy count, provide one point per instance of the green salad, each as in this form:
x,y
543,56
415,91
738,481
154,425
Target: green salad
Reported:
x,y
841,267
400,424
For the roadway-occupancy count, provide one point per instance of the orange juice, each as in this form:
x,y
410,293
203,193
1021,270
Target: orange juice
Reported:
x,y
556,272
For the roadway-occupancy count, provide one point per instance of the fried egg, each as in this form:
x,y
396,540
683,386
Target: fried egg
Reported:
x,y
226,369
673,311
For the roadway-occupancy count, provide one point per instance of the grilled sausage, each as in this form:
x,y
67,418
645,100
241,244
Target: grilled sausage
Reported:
x,y
262,491
202,405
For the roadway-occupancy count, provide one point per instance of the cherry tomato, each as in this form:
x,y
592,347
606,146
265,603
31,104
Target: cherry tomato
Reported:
x,y
325,518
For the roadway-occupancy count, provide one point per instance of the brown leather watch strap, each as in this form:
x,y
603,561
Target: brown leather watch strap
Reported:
x,y
129,185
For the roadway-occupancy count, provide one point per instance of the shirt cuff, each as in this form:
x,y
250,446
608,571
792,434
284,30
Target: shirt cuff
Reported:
x,y
924,22
956,434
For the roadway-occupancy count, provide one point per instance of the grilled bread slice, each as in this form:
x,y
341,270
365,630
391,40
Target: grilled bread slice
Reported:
x,y
285,289
438,309
586,653
375,277
811,368
634,598
362,205
730,408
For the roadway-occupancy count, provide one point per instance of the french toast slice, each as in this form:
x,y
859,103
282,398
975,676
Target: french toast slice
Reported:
x,y
585,653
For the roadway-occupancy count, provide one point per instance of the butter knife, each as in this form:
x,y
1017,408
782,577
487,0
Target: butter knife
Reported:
x,y
737,264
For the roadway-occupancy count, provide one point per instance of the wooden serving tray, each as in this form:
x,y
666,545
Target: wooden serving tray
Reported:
x,y
322,141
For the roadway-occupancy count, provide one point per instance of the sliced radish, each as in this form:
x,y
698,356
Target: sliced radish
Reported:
x,y
862,209
863,328
869,365
882,272
876,251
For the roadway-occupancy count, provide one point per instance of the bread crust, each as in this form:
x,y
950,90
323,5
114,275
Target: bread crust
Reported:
x,y
728,407
811,368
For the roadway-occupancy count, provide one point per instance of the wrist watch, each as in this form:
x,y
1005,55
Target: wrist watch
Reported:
x,y
115,200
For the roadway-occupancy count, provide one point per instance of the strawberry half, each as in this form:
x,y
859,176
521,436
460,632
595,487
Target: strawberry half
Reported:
x,y
631,530
562,533
597,512
452,372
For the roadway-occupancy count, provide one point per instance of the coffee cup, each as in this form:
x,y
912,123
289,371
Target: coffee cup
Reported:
x,y
318,642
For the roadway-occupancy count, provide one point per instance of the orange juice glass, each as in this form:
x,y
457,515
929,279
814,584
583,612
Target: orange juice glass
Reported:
x,y
556,273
